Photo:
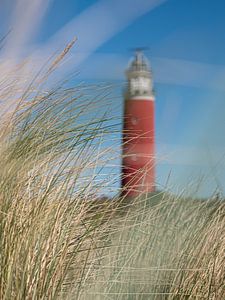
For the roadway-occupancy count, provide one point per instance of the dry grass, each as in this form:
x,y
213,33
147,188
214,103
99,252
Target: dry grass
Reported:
x,y
171,250
58,242
50,232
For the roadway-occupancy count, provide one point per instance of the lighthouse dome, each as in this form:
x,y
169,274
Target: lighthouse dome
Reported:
x,y
139,77
139,66
139,63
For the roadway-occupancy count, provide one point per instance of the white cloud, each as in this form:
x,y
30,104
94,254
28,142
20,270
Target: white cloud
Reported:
x,y
190,155
25,21
96,25
111,66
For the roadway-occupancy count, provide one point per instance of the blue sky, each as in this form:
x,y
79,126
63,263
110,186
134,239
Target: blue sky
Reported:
x,y
187,55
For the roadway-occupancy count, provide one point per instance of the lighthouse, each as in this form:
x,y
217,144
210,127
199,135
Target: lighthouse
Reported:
x,y
138,162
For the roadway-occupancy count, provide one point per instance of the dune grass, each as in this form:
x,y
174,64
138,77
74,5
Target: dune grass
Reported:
x,y
171,249
50,229
59,241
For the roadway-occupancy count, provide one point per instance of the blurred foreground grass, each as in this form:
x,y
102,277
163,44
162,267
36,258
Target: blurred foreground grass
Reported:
x,y
58,240
49,148
173,249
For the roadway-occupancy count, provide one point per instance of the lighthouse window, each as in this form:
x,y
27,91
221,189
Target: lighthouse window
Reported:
x,y
134,157
134,120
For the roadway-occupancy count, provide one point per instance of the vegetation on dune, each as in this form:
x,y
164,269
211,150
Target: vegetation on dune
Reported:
x,y
58,240
171,249
49,230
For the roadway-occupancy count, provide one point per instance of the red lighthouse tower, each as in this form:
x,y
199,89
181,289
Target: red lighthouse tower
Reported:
x,y
138,168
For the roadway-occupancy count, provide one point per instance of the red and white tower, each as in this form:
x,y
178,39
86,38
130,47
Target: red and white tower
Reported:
x,y
138,167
